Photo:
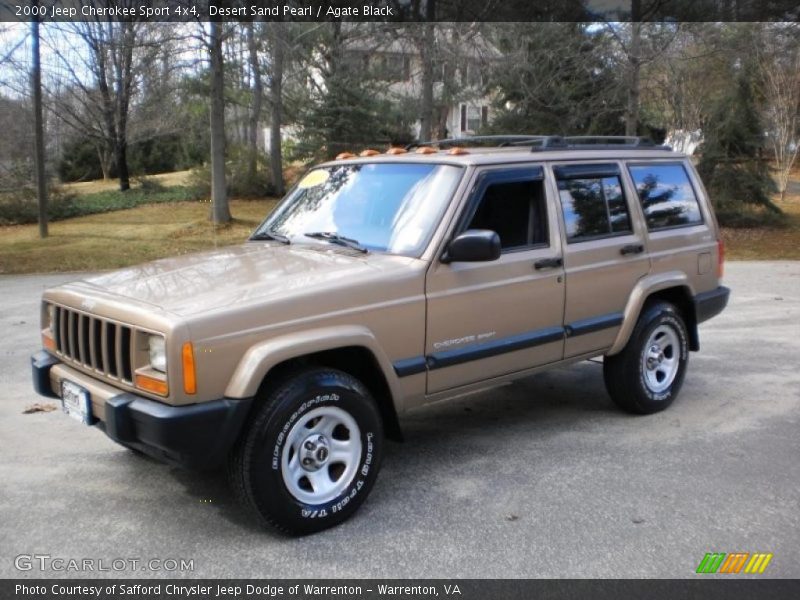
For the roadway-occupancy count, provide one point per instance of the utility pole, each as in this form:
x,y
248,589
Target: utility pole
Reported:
x,y
38,127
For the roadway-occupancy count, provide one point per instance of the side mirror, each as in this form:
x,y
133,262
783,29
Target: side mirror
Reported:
x,y
474,245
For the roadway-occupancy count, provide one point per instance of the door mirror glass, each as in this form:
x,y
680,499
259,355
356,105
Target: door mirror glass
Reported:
x,y
474,245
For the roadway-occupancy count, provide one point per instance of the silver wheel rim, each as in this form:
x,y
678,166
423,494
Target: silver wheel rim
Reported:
x,y
661,358
321,455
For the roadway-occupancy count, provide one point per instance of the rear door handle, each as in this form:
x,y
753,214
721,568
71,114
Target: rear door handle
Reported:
x,y
548,263
631,249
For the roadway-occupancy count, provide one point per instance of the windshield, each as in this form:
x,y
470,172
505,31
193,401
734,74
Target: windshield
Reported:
x,y
387,207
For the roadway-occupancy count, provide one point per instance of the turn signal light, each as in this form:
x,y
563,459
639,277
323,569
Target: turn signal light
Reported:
x,y
369,152
48,342
426,150
458,151
189,378
397,151
345,155
151,384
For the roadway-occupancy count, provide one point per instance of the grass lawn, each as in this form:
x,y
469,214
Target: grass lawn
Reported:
x,y
125,237
767,243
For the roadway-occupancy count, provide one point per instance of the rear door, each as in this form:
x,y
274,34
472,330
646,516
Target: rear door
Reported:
x,y
605,252
487,319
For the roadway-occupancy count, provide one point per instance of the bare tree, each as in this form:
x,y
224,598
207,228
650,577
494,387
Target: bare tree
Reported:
x,y
779,61
220,211
640,43
102,63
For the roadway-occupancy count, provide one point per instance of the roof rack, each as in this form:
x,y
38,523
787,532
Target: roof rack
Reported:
x,y
540,143
499,141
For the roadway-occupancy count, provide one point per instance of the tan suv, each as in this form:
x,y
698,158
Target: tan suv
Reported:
x,y
381,283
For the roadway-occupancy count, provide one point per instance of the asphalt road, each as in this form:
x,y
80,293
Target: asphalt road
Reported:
x,y
542,478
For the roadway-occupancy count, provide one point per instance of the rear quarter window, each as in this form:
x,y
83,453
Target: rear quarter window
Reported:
x,y
666,194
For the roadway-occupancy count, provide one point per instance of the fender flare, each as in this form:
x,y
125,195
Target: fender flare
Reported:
x,y
263,356
643,289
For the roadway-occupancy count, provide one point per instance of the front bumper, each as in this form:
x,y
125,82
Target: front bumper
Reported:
x,y
195,436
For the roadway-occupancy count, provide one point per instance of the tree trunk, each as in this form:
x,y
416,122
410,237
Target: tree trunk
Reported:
x,y
427,52
276,98
220,211
634,68
124,83
38,124
254,117
105,162
121,158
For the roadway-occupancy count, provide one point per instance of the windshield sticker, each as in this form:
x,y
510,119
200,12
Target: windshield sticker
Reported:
x,y
313,179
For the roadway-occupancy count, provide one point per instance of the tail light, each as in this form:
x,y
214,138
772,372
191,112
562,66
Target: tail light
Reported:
x,y
720,258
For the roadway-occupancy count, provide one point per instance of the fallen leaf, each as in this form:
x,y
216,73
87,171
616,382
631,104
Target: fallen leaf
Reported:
x,y
40,407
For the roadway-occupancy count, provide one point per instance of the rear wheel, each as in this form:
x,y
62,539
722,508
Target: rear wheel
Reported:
x,y
311,454
647,375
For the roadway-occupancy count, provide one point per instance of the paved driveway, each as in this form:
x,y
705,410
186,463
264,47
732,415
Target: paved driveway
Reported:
x,y
542,478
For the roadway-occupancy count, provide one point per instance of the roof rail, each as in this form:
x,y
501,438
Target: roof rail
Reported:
x,y
539,143
482,140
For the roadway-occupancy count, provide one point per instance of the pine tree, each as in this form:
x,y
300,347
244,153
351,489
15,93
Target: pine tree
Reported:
x,y
732,166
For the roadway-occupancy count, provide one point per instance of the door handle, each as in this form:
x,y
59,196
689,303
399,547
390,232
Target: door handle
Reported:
x,y
631,249
548,263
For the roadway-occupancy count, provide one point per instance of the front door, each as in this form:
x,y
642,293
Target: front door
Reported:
x,y
488,319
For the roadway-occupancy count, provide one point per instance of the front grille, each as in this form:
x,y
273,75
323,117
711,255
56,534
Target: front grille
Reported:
x,y
95,343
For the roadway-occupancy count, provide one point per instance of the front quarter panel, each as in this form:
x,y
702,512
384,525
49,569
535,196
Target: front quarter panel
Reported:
x,y
262,357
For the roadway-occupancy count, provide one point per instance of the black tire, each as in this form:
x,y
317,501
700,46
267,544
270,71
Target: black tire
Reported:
x,y
256,467
634,386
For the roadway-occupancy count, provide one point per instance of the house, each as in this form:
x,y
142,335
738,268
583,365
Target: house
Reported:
x,y
461,60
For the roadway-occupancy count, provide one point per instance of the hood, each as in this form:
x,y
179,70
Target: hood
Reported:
x,y
252,273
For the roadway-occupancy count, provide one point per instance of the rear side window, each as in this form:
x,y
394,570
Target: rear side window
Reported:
x,y
667,195
592,202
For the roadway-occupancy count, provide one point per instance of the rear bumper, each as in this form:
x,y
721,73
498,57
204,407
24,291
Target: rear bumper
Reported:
x,y
710,304
196,436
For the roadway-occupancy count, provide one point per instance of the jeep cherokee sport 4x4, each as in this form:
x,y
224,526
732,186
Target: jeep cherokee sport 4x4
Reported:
x,y
381,283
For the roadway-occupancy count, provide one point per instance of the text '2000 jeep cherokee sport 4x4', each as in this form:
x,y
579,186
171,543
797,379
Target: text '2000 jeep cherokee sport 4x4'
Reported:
x,y
381,283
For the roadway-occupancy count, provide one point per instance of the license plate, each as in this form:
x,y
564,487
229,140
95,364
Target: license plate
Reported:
x,y
75,402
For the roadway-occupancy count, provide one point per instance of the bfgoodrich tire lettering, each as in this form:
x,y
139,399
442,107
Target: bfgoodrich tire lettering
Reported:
x,y
312,452
647,375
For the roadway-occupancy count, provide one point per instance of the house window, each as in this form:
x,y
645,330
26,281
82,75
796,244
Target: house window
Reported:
x,y
471,75
473,117
393,67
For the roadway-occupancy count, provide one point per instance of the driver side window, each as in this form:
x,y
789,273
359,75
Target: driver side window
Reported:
x,y
515,210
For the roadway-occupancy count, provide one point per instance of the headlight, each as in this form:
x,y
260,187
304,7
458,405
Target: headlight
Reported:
x,y
51,316
158,353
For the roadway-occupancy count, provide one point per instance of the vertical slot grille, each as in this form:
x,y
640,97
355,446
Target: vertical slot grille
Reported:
x,y
125,352
111,345
96,343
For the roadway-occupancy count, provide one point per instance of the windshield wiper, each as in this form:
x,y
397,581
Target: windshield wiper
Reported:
x,y
335,238
268,234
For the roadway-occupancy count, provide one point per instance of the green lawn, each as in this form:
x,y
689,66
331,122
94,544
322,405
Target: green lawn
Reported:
x,y
125,237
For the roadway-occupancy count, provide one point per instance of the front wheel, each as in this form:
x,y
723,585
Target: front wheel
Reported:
x,y
311,454
646,376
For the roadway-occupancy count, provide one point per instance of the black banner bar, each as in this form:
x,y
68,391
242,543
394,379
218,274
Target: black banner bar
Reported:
x,y
399,11
711,588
